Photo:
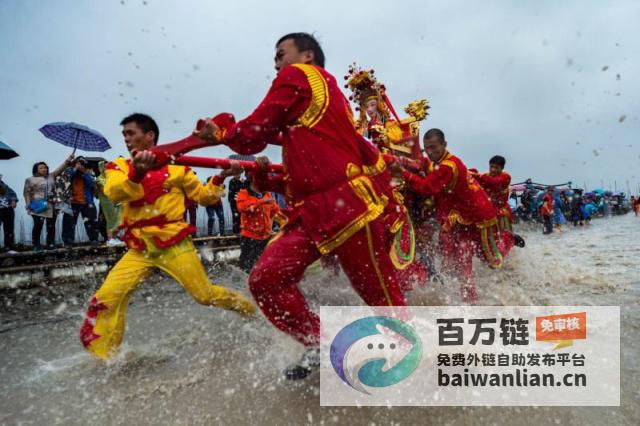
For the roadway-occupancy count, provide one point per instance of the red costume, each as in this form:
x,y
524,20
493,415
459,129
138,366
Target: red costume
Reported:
x,y
339,194
497,188
422,211
546,209
466,216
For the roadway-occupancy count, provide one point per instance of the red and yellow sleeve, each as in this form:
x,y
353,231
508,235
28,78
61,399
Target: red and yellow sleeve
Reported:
x,y
121,185
285,102
205,195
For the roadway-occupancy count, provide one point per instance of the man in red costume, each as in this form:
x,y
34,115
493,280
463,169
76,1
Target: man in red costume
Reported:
x,y
463,210
496,184
338,188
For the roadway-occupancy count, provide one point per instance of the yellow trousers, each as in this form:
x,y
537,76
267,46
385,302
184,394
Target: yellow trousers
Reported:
x,y
104,324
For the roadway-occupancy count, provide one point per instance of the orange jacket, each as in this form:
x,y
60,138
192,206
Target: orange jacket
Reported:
x,y
256,215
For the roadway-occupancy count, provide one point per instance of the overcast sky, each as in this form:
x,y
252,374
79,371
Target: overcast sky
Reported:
x,y
550,85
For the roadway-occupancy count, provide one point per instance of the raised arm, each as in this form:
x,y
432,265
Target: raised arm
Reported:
x,y
287,99
285,102
62,167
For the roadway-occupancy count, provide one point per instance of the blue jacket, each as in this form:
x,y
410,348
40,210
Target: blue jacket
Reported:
x,y
589,210
89,184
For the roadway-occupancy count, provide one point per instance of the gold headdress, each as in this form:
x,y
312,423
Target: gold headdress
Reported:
x,y
364,87
395,134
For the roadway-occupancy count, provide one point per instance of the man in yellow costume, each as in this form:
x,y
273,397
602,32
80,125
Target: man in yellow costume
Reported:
x,y
156,235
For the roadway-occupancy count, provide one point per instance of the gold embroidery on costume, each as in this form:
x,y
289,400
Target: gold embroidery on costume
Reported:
x,y
319,96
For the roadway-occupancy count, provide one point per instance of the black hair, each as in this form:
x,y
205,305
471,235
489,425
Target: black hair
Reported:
x,y
434,132
145,122
305,42
34,170
498,160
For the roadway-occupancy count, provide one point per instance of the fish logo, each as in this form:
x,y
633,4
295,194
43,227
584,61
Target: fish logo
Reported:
x,y
375,351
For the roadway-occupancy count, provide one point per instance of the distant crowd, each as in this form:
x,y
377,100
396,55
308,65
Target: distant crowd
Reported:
x,y
76,189
554,207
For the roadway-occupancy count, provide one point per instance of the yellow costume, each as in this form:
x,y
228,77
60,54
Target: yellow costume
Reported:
x,y
157,237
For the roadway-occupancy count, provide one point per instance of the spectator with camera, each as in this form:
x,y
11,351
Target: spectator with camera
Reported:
x,y
83,186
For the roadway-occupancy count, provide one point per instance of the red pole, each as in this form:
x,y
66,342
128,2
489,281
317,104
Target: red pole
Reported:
x,y
223,163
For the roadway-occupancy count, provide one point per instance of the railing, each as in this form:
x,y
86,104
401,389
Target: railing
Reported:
x,y
39,266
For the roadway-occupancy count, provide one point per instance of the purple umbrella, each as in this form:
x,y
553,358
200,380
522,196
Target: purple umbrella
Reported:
x,y
76,136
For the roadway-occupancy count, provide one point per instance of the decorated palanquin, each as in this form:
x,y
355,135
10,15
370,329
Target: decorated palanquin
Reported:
x,y
377,119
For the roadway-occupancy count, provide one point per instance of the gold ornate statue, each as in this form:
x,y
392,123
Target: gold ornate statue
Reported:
x,y
377,119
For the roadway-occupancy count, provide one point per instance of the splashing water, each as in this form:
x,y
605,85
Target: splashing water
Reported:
x,y
183,363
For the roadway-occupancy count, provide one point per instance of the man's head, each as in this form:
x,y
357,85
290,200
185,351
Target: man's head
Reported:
x,y
298,48
80,164
435,144
496,165
140,132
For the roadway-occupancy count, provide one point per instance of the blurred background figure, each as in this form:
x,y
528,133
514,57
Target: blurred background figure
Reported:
x,y
83,186
558,215
215,210
39,196
257,211
546,211
235,185
110,219
8,203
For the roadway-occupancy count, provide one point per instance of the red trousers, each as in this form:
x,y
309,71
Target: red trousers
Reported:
x,y
364,259
505,226
458,246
